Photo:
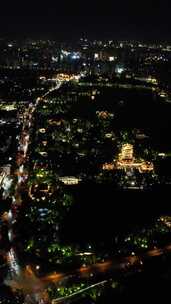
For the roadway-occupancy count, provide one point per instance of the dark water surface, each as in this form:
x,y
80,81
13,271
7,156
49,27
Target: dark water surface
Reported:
x,y
101,212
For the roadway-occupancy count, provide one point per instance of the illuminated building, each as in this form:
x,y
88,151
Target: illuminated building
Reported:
x,y
96,56
119,69
111,58
108,167
104,114
126,153
166,220
69,180
66,77
126,160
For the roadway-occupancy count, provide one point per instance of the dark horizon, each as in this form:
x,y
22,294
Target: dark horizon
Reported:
x,y
128,20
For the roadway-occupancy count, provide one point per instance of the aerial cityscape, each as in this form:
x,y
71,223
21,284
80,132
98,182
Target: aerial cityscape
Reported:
x,y
85,154
85,170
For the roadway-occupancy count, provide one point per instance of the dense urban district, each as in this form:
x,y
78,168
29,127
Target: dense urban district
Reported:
x,y
85,171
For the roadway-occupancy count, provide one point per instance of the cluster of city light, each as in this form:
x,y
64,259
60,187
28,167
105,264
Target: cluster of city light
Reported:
x,y
8,106
66,77
70,180
104,114
166,220
126,160
68,54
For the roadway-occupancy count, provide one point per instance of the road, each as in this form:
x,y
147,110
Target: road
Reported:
x,y
25,278
17,276
77,293
24,141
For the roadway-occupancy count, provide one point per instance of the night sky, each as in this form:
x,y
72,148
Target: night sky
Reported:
x,y
124,19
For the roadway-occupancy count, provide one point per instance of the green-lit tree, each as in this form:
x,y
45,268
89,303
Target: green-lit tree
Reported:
x,y
39,221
